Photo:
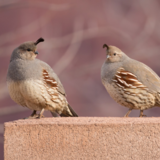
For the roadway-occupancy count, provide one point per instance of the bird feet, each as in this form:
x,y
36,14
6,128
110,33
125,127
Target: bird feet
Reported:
x,y
141,114
127,114
40,116
36,116
33,117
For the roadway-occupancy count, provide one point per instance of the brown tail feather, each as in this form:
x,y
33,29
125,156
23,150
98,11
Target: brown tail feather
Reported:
x,y
54,114
65,114
72,111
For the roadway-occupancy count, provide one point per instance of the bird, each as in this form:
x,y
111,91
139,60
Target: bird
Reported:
x,y
32,83
129,82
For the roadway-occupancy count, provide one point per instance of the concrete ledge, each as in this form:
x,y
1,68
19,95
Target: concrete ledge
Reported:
x,y
83,139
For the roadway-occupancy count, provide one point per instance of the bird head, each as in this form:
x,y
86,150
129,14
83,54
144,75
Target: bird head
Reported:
x,y
26,51
114,54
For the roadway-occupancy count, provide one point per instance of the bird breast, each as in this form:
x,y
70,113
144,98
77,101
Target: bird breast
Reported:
x,y
24,92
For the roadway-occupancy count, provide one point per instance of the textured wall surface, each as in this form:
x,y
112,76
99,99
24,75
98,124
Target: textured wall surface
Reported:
x,y
83,138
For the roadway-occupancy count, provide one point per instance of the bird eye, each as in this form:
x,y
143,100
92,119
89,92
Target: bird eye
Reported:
x,y
28,49
114,54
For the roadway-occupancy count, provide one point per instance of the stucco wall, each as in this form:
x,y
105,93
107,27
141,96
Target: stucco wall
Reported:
x,y
83,139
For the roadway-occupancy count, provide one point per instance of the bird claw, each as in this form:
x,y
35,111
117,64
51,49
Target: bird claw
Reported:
x,y
40,116
142,116
36,116
32,116
127,114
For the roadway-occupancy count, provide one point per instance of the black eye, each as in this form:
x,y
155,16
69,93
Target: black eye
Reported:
x,y
28,49
114,54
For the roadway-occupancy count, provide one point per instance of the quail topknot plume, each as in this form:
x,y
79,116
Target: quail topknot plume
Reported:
x,y
32,83
130,83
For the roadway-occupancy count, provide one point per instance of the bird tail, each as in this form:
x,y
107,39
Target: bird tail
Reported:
x,y
158,99
54,114
72,111
67,114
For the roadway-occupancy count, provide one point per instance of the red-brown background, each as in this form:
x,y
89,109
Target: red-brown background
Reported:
x,y
74,33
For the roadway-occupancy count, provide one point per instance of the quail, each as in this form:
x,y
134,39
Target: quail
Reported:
x,y
32,83
129,82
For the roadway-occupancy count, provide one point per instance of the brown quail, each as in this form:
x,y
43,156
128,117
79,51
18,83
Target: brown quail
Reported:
x,y
130,83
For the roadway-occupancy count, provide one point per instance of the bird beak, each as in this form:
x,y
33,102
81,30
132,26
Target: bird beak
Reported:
x,y
36,52
108,56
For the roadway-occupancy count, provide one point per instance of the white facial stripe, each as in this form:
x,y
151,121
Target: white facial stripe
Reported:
x,y
108,56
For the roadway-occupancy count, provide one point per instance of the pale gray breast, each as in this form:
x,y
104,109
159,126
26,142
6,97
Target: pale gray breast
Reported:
x,y
20,70
14,92
108,71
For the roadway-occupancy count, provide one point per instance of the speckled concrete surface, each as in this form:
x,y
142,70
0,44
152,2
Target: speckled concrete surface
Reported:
x,y
83,139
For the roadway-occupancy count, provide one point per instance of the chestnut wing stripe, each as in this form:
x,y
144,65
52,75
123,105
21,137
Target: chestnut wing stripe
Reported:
x,y
51,82
127,79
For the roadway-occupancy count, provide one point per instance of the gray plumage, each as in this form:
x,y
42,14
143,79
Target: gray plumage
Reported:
x,y
32,83
129,82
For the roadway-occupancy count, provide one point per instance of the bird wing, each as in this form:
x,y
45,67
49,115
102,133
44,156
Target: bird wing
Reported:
x,y
126,79
51,77
52,81
144,74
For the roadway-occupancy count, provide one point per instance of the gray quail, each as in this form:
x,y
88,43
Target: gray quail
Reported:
x,y
32,83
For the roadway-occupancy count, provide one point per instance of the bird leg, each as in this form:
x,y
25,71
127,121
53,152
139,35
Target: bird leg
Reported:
x,y
141,114
33,115
127,114
41,114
